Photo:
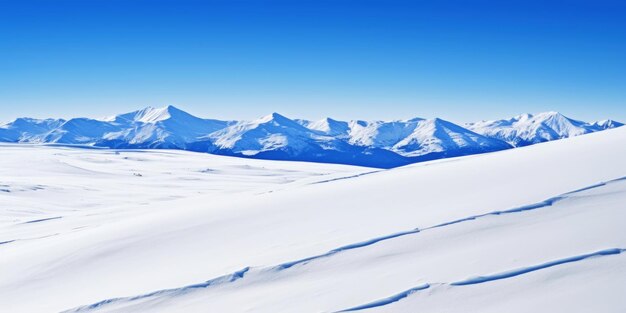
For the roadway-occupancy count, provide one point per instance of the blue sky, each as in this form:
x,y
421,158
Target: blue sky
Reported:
x,y
460,60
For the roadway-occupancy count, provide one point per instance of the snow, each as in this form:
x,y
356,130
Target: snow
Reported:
x,y
534,229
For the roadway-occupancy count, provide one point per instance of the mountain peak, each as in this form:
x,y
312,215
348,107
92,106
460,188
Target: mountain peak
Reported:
x,y
151,114
539,116
523,116
173,110
329,126
550,114
436,122
415,119
275,117
606,124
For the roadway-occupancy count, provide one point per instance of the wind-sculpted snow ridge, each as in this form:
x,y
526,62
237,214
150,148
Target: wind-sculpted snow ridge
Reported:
x,y
388,300
488,278
229,278
271,270
344,178
347,247
524,270
379,144
533,206
43,220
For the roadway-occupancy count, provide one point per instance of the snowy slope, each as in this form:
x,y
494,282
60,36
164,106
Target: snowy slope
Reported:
x,y
527,129
533,224
383,144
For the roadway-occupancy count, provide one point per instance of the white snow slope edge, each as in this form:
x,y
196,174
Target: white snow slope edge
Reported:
x,y
534,229
382,144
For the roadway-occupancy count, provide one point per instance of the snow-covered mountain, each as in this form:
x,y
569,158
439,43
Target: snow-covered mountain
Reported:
x,y
439,138
273,132
527,129
383,144
606,124
167,127
327,126
381,134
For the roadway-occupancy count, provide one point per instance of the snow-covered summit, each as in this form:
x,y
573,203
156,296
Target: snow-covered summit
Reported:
x,y
270,132
381,134
328,126
152,115
606,124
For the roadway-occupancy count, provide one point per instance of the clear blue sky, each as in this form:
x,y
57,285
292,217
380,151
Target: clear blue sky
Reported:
x,y
460,60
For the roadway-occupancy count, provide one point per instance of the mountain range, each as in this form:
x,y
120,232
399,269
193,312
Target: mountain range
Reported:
x,y
382,144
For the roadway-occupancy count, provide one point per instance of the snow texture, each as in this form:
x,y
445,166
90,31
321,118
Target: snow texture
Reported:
x,y
534,229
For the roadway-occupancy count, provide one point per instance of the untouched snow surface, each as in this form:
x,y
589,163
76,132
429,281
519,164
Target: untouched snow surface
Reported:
x,y
535,229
